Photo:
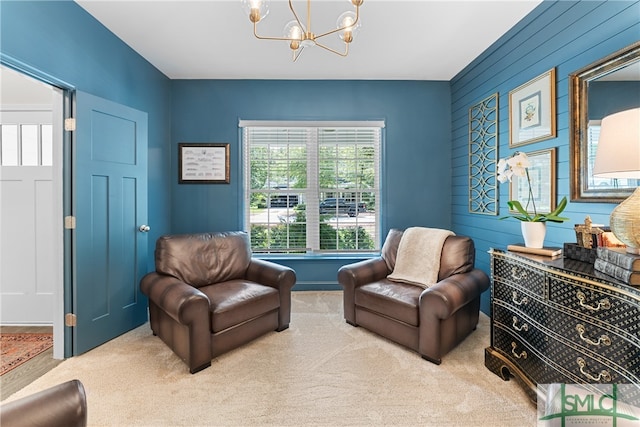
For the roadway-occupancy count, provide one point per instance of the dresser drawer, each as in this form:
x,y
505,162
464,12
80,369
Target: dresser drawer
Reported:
x,y
587,337
519,325
610,309
520,300
518,274
582,368
519,353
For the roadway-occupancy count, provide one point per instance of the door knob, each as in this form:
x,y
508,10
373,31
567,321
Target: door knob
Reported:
x,y
144,228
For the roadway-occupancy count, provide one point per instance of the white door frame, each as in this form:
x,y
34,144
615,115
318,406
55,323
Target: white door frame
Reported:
x,y
59,138
58,218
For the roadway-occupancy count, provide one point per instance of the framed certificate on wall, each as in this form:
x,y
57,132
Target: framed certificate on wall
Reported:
x,y
203,163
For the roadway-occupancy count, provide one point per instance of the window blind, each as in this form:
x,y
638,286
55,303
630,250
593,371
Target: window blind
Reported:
x,y
312,188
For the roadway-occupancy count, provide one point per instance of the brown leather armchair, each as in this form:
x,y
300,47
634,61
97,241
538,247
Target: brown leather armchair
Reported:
x,y
430,321
64,405
208,295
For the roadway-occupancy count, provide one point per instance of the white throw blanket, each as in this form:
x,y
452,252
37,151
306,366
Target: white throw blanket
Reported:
x,y
418,258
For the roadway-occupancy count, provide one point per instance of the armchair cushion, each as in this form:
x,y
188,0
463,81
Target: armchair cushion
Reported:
x,y
203,259
390,247
236,301
458,256
458,253
399,301
418,258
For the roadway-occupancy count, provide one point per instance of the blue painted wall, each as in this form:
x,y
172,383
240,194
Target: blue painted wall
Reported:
x,y
60,40
427,122
416,179
566,35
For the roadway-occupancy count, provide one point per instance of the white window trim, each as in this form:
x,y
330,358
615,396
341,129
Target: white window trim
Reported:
x,y
313,123
312,175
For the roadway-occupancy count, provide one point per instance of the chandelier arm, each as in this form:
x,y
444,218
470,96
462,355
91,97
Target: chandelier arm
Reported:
x,y
296,54
295,15
342,28
346,49
258,36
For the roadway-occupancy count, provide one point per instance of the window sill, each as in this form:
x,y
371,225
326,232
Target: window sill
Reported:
x,y
322,257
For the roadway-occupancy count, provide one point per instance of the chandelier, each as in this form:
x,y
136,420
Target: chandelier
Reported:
x,y
299,34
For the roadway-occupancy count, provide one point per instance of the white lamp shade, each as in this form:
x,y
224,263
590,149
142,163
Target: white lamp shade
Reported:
x,y
618,153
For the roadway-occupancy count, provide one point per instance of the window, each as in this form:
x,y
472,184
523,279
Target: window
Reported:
x,y
26,145
312,187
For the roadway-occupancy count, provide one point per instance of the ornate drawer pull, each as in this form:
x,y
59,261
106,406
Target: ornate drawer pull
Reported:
x,y
603,375
522,355
604,339
514,276
523,301
524,327
604,303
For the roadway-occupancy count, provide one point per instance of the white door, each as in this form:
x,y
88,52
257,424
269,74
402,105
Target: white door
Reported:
x,y
27,269
31,204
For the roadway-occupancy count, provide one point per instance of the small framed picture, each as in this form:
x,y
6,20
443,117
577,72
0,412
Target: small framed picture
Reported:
x,y
203,163
542,173
532,110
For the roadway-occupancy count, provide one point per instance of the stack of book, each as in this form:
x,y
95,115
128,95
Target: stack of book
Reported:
x,y
619,264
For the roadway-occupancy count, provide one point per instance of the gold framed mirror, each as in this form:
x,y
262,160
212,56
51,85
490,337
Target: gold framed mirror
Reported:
x,y
607,86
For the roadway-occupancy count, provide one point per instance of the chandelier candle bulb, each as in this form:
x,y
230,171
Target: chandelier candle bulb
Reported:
x,y
257,9
346,23
254,16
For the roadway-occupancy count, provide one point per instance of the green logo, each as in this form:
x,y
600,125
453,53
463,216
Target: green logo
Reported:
x,y
588,405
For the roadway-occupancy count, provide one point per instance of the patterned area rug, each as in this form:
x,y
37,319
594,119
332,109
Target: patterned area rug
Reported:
x,y
16,349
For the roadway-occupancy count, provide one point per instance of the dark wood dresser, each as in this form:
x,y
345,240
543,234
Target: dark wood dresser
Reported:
x,y
559,321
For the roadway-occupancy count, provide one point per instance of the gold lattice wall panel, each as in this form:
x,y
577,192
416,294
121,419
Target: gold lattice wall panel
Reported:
x,y
483,153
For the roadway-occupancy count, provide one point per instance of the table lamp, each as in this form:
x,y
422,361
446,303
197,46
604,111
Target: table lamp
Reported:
x,y
618,156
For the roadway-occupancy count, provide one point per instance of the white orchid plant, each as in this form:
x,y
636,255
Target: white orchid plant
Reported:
x,y
518,165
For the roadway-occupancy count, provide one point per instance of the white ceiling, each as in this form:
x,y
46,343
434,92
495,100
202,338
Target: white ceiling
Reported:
x,y
19,89
399,40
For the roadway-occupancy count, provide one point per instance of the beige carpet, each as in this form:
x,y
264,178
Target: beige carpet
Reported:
x,y
320,371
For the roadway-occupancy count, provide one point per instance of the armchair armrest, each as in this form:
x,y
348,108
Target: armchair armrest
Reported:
x,y
61,405
360,273
181,301
449,312
351,276
271,274
447,296
276,276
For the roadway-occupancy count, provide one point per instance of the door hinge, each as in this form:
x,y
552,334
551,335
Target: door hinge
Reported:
x,y
70,124
70,222
70,320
